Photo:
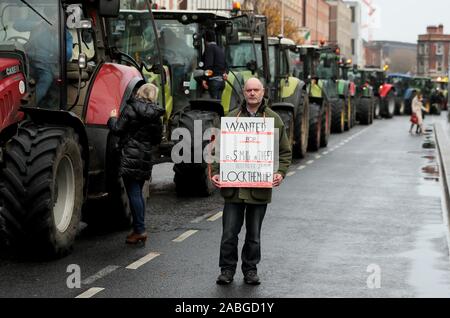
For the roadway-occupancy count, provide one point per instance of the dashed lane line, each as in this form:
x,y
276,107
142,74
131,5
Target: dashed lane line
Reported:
x,y
184,236
310,162
290,174
301,167
325,153
201,218
215,217
147,258
100,274
318,157
90,292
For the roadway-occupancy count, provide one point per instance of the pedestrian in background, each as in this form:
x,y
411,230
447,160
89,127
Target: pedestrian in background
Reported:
x,y
248,203
416,116
139,128
214,60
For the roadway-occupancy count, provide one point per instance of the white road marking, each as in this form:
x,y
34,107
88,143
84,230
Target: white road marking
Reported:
x,y
301,167
102,273
201,218
147,258
325,153
310,162
318,157
184,236
215,216
290,174
90,292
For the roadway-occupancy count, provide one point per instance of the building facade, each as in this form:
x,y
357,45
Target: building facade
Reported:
x,y
401,57
315,20
341,26
356,41
433,51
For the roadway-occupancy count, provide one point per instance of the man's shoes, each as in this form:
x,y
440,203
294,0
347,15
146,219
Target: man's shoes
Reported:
x,y
251,278
225,278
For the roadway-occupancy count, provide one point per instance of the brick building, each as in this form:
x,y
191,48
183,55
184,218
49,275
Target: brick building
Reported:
x,y
433,52
341,26
315,19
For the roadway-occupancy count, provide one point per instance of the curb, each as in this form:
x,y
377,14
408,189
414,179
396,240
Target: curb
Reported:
x,y
443,147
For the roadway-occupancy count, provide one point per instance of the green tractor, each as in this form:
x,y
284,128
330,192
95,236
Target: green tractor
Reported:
x,y
365,99
439,95
419,84
288,96
305,60
190,112
347,91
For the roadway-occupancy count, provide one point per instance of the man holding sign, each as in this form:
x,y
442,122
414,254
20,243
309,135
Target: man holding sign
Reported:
x,y
246,177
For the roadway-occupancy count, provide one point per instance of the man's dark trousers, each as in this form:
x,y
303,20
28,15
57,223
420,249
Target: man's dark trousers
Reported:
x,y
233,219
215,88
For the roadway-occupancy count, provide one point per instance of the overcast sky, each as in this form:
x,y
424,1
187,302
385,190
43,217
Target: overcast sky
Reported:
x,y
403,20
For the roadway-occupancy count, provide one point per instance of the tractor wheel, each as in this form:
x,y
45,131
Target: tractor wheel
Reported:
x,y
348,124
326,125
288,119
301,131
399,107
338,116
315,127
389,106
376,108
42,190
192,179
364,111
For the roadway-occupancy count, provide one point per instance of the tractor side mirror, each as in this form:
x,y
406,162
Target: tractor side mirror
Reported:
x,y
251,66
82,61
109,8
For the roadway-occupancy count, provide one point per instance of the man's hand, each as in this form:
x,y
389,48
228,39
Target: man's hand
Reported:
x,y
205,84
225,76
216,180
113,113
277,179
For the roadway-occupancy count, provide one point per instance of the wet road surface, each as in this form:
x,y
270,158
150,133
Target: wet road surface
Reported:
x,y
362,218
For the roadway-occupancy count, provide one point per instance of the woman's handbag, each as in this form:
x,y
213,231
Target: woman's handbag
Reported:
x,y
414,118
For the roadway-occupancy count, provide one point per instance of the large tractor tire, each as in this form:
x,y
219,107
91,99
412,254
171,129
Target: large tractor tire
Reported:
x,y
376,108
326,125
42,190
301,131
399,107
348,122
338,116
388,108
193,179
289,122
315,127
365,111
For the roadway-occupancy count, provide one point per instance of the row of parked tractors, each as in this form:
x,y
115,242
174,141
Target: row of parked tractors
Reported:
x,y
58,160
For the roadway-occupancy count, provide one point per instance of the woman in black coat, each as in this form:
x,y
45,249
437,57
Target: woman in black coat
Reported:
x,y
139,128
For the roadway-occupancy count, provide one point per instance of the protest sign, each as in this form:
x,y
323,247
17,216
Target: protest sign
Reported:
x,y
247,152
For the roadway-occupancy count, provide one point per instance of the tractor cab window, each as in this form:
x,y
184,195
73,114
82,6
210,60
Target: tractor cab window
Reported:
x,y
36,31
296,64
238,56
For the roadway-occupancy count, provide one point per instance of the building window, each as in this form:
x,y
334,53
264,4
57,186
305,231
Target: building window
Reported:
x,y
439,66
353,14
353,47
439,49
425,49
421,49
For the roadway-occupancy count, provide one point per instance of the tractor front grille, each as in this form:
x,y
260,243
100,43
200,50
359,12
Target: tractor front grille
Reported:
x,y
6,106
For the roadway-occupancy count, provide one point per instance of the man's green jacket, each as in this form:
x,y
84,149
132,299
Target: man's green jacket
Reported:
x,y
257,195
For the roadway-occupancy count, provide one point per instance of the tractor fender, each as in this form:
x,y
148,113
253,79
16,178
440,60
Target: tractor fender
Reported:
x,y
296,98
109,90
386,89
206,104
283,106
62,118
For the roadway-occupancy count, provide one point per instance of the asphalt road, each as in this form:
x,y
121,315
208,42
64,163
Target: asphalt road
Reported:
x,y
362,218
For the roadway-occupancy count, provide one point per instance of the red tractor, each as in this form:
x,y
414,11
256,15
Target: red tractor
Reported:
x,y
59,81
